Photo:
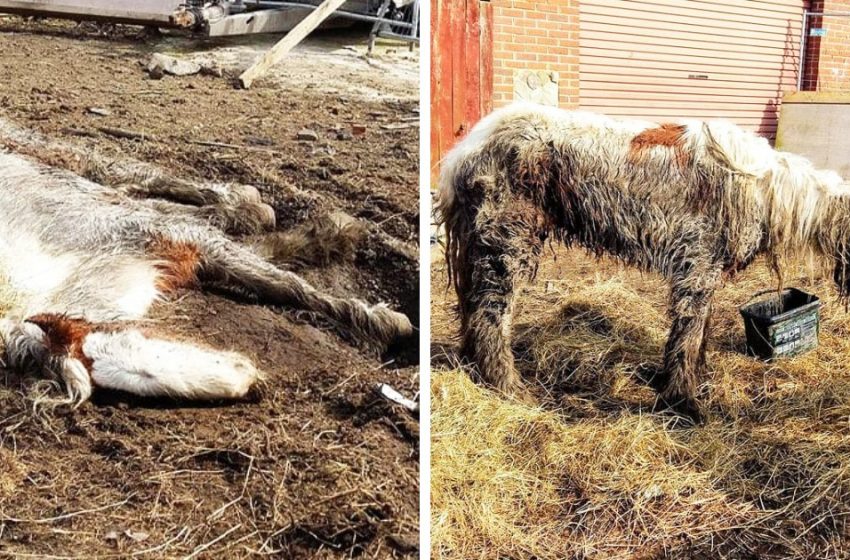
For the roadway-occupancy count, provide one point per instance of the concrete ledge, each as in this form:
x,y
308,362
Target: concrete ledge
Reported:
x,y
816,125
816,97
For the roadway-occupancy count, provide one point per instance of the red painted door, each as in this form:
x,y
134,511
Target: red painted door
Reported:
x,y
461,71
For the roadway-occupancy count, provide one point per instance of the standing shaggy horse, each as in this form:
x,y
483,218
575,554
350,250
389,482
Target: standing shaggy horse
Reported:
x,y
80,259
694,202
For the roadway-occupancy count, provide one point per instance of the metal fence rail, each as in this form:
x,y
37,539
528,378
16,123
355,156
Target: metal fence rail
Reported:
x,y
398,19
822,52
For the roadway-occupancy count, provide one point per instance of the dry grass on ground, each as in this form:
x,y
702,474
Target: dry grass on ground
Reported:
x,y
591,473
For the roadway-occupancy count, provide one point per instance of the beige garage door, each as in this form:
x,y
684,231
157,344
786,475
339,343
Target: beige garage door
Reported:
x,y
663,59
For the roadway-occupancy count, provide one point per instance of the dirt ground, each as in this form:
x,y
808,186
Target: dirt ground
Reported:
x,y
588,470
314,465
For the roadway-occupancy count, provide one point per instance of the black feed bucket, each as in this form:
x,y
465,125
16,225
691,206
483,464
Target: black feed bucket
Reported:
x,y
782,327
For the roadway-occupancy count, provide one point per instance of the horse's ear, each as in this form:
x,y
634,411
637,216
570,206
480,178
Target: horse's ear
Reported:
x,y
737,152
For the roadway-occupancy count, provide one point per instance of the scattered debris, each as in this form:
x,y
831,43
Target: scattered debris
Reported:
x,y
127,134
211,68
394,396
111,536
156,73
399,126
358,129
259,141
99,111
402,544
327,149
137,536
164,64
214,144
307,135
161,64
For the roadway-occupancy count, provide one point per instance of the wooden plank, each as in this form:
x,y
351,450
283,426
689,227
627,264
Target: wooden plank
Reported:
x,y
461,72
437,13
140,12
486,50
282,48
472,67
458,28
444,94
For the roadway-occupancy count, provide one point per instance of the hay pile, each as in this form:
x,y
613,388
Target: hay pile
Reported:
x,y
591,472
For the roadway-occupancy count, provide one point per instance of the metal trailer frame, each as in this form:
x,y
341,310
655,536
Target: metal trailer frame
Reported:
x,y
804,34
216,18
140,12
389,28
282,12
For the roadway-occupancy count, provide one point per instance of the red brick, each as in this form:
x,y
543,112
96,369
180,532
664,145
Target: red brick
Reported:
x,y
827,60
540,35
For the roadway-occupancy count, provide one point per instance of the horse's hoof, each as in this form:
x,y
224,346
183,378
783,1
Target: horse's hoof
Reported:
x,y
517,391
688,409
267,216
246,193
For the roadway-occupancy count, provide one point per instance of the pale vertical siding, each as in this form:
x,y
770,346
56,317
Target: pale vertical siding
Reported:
x,y
662,59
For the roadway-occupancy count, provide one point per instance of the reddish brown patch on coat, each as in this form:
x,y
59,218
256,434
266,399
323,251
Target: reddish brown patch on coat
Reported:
x,y
667,136
65,336
178,264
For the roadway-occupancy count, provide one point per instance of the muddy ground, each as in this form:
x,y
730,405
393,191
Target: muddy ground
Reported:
x,y
314,465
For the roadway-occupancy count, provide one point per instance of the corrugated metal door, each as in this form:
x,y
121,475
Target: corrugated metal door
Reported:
x,y
662,59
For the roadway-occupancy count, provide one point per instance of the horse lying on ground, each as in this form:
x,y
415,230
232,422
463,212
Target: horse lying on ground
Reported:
x,y
79,258
695,202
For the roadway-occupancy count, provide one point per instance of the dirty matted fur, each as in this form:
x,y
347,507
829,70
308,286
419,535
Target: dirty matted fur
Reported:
x,y
79,257
694,202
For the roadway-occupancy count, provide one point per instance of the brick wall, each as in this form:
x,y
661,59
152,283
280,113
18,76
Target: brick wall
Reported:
x,y
535,35
827,66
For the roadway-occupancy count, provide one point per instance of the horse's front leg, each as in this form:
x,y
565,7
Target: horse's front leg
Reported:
x,y
693,287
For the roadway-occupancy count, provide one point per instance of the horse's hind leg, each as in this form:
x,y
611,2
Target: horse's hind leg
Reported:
x,y
226,262
230,207
502,245
239,219
693,287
